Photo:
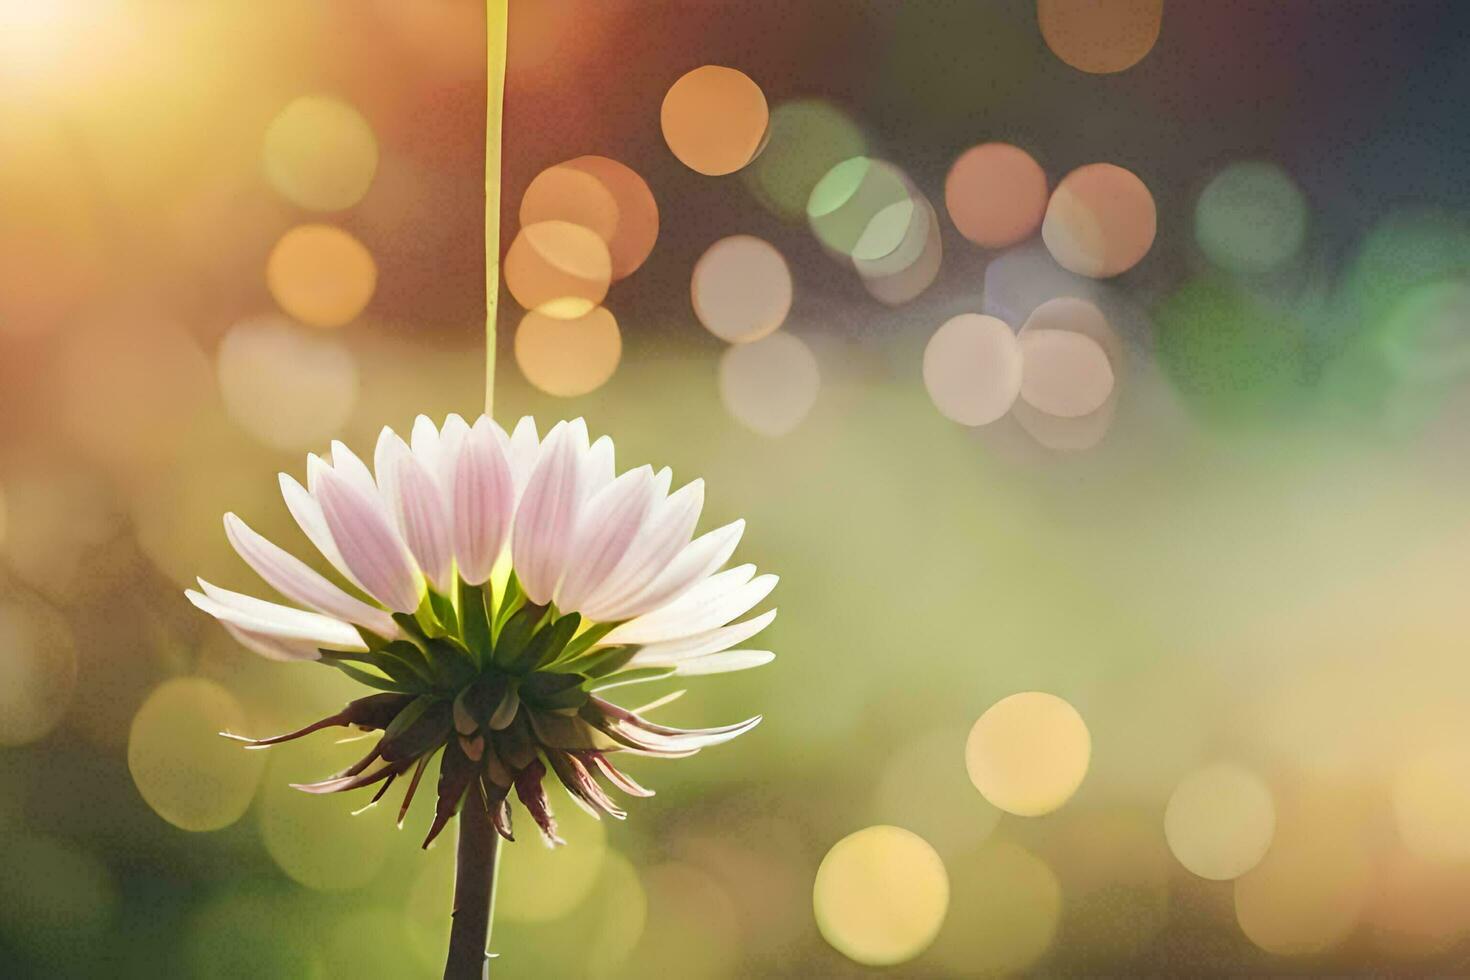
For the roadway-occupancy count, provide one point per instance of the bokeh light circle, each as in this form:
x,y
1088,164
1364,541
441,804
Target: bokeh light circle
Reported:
x,y
770,385
1028,753
1100,221
1100,36
972,369
315,839
320,153
288,388
996,194
38,670
570,194
808,137
57,901
1220,820
911,268
741,289
559,269
1064,373
845,202
568,358
321,275
715,120
637,225
880,895
1251,217
1431,802
187,773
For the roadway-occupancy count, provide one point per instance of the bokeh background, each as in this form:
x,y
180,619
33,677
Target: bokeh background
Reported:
x,y
1220,534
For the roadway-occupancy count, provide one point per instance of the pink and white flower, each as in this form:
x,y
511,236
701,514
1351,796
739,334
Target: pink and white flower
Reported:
x,y
493,584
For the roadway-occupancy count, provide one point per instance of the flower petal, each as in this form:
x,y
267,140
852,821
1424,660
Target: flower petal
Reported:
x,y
483,495
415,500
725,662
271,647
369,544
275,620
714,602
297,581
308,514
664,533
607,527
546,517
695,562
701,644
525,449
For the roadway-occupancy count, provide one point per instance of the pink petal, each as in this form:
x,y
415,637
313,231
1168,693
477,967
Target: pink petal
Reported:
x,y
546,517
483,495
415,500
295,580
308,514
369,544
607,527
274,620
664,533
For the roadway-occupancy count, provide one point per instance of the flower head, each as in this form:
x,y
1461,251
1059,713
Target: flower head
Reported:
x,y
498,584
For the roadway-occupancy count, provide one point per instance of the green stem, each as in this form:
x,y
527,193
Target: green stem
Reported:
x,y
496,17
475,872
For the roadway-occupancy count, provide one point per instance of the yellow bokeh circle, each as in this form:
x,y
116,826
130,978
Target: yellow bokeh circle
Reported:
x,y
320,153
1220,821
880,895
559,269
568,357
321,275
715,120
1028,753
186,772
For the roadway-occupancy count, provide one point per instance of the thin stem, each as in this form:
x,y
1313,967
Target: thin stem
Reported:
x,y
474,892
496,17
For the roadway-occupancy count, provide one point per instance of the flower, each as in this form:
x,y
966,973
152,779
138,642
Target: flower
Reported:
x,y
505,582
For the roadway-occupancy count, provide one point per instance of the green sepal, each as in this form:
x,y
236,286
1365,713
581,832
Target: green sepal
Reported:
x,y
371,680
598,664
510,604
452,661
516,634
475,602
552,691
637,675
374,641
402,655
421,727
427,617
581,643
410,625
547,644
443,609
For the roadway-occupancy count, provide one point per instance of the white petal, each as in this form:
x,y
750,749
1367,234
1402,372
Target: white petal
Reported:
x,y
347,464
725,662
297,581
369,544
701,644
308,514
598,467
415,499
483,500
426,442
665,532
546,517
713,602
607,527
275,620
271,647
697,561
525,447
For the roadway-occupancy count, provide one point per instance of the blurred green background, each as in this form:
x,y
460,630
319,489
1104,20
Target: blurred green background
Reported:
x,y
1245,574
